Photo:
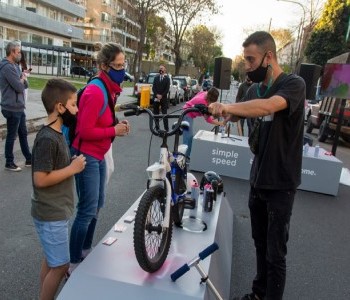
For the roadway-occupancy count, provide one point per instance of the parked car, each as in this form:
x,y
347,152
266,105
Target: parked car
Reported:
x,y
180,93
324,115
81,71
195,86
185,83
128,77
149,82
207,84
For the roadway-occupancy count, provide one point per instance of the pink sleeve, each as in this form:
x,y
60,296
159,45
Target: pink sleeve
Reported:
x,y
90,127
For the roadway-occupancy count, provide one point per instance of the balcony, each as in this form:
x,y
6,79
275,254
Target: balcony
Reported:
x,y
21,16
66,6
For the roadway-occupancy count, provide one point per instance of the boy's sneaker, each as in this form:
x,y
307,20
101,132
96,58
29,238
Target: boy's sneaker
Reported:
x,y
28,163
12,167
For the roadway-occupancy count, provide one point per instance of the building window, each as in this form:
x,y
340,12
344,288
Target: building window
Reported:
x,y
105,17
24,36
37,39
11,34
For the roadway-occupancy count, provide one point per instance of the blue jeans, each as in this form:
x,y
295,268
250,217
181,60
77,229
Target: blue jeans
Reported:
x,y
187,135
270,212
16,123
90,185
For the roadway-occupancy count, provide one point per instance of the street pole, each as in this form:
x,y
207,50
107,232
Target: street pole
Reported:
x,y
300,36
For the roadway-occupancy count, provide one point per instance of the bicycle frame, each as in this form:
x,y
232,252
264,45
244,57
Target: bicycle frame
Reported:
x,y
159,172
164,200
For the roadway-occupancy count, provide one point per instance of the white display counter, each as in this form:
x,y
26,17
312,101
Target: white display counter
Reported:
x,y
112,272
232,157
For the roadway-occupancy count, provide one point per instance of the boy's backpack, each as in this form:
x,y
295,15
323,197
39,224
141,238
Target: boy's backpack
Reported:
x,y
69,132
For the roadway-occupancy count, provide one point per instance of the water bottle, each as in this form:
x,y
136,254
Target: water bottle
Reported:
x,y
208,199
194,193
317,150
222,130
306,148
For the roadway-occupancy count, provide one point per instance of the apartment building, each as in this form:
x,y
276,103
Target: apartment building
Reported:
x,y
58,34
45,31
107,21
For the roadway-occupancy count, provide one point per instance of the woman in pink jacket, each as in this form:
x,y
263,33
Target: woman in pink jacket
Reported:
x,y
205,98
95,131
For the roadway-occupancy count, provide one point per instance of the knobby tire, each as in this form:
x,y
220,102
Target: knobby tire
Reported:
x,y
152,247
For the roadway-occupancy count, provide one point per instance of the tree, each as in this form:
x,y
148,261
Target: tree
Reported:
x,y
282,37
204,46
144,9
155,34
181,13
328,38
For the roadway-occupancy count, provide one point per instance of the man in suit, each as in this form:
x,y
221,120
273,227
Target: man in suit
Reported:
x,y
160,88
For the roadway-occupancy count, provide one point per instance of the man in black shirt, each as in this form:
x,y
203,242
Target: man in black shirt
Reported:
x,y
160,88
278,99
242,91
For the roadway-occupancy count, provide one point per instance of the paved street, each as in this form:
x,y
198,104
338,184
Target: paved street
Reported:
x,y
318,257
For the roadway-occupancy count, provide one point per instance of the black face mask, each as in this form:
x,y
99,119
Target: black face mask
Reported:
x,y
259,74
161,72
68,118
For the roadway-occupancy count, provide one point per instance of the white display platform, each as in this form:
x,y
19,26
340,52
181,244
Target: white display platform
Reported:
x,y
320,174
232,157
112,272
229,156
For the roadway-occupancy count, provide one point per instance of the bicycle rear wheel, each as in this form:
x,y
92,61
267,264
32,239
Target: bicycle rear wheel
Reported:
x,y
151,240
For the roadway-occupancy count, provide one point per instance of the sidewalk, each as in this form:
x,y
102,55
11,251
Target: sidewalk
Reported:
x,y
36,114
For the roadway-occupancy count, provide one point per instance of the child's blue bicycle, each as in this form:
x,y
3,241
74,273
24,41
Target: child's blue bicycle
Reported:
x,y
164,201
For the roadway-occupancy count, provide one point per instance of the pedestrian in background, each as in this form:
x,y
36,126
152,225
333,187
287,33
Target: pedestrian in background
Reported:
x,y
25,73
205,98
53,185
242,91
160,88
95,131
278,102
12,86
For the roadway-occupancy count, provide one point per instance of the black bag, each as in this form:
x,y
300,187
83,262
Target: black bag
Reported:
x,y
253,139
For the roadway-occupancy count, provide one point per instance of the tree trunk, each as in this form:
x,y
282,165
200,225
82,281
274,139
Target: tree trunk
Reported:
x,y
178,60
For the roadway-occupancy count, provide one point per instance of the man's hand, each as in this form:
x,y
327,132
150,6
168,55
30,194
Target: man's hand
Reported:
x,y
217,109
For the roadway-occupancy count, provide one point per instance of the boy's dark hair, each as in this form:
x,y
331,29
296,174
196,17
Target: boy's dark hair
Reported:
x,y
263,40
56,91
212,95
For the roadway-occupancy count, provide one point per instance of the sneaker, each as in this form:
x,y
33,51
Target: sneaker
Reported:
x,y
247,297
12,167
28,163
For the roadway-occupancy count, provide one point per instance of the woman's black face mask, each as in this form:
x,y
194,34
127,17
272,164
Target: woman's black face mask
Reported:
x,y
259,74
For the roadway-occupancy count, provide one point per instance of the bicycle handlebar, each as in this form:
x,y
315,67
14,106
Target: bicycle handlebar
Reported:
x,y
135,110
201,256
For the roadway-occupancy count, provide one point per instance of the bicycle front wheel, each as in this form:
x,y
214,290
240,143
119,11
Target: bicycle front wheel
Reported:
x,y
151,239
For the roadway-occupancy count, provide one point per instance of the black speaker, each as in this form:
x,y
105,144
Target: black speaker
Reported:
x,y
310,73
222,73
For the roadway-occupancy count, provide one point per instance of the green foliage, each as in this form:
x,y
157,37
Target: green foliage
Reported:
x,y
204,46
328,38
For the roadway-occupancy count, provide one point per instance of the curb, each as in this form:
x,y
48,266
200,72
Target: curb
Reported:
x,y
33,125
